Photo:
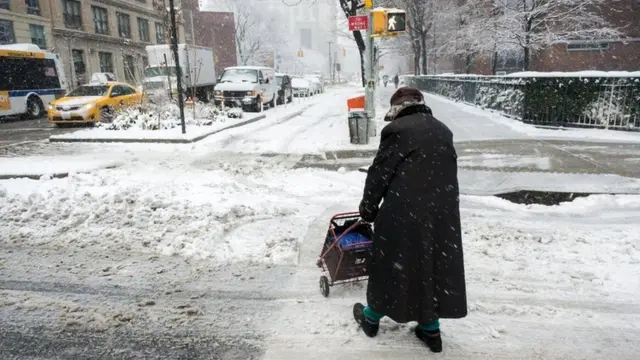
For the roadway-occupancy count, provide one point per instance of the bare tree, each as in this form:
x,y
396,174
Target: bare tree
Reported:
x,y
532,25
248,26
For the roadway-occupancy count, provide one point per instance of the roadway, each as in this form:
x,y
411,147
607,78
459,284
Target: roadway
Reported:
x,y
14,132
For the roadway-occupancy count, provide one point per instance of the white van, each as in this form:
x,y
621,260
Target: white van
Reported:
x,y
249,87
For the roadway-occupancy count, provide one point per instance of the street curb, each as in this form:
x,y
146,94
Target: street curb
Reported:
x,y
58,175
33,176
159,141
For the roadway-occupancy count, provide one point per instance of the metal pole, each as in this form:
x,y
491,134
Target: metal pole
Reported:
x,y
166,69
369,91
330,61
174,46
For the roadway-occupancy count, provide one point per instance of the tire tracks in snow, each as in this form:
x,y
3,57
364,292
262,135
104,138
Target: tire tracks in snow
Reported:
x,y
319,105
326,115
234,139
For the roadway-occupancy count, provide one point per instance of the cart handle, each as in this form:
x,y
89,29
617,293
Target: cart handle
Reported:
x,y
345,214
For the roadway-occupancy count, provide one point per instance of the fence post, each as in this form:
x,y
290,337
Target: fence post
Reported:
x,y
606,127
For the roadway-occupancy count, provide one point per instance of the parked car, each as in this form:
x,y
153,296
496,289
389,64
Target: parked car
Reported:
x,y
316,86
285,90
301,87
318,75
92,103
249,87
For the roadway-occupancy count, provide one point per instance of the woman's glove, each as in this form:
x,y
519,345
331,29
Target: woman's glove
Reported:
x,y
368,212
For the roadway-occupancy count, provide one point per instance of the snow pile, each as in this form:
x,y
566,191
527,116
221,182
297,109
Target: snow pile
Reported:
x,y
167,116
243,212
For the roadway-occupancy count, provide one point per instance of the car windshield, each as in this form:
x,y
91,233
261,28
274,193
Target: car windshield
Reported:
x,y
159,71
90,90
239,75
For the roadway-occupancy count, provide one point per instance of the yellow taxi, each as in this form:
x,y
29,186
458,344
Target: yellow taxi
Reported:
x,y
93,102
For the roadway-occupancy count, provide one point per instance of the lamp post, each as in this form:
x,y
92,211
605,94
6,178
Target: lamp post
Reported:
x,y
174,47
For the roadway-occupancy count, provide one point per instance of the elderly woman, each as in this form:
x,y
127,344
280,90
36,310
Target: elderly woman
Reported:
x,y
416,271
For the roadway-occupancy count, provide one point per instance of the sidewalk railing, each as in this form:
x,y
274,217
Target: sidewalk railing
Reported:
x,y
571,101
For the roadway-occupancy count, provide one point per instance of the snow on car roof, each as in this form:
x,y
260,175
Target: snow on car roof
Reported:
x,y
249,67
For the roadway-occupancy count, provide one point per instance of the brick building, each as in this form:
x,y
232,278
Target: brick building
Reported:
x,y
90,35
621,54
216,30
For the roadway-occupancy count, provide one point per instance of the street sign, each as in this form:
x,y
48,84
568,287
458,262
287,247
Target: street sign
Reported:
x,y
396,21
357,23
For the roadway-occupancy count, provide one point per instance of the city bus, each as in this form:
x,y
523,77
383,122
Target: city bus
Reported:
x,y
29,79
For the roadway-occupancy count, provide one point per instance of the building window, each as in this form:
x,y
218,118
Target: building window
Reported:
x,y
106,62
6,32
72,14
100,20
79,66
129,69
5,4
37,36
305,38
160,33
143,29
124,25
33,7
588,46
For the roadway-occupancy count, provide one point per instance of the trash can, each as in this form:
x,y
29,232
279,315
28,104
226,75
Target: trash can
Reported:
x,y
358,127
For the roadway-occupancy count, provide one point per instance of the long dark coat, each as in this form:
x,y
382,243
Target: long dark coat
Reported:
x,y
416,271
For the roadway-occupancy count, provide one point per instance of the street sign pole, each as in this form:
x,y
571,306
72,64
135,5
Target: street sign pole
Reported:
x,y
369,91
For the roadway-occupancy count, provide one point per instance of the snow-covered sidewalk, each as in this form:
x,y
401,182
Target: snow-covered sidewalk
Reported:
x,y
472,123
544,282
192,134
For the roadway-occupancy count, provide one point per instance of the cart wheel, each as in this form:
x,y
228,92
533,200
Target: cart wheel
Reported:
x,y
324,286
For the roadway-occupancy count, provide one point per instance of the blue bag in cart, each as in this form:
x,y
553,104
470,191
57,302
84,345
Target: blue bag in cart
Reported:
x,y
354,241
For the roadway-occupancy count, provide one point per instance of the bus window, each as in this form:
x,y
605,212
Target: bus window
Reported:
x,y
28,74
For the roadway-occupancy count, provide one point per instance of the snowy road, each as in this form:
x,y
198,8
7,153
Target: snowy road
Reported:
x,y
565,290
321,124
207,251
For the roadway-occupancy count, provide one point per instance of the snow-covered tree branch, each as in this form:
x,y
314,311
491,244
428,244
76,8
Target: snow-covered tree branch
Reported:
x,y
253,23
532,25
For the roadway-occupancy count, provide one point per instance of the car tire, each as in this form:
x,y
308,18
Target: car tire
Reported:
x,y
259,106
35,108
272,103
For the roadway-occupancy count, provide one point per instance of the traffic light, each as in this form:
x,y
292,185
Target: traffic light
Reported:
x,y
396,21
388,22
300,53
379,17
344,51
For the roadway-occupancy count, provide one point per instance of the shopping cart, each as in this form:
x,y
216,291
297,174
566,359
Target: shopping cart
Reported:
x,y
345,252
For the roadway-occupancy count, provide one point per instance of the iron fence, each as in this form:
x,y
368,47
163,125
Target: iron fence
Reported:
x,y
588,102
